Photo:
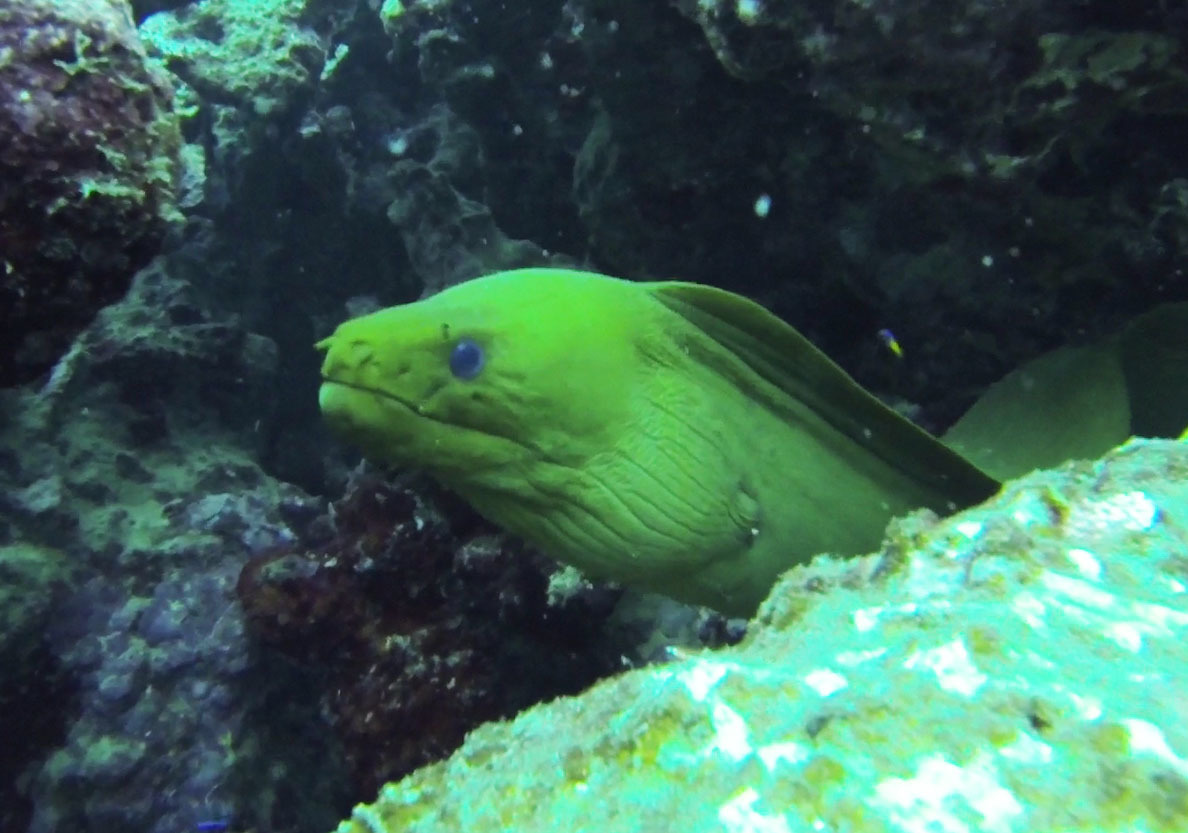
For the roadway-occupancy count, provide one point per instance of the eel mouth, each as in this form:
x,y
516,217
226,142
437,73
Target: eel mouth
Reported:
x,y
416,412
330,382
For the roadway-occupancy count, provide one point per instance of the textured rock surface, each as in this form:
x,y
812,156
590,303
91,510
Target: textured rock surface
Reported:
x,y
130,465
1016,667
449,236
89,167
257,55
424,622
1026,145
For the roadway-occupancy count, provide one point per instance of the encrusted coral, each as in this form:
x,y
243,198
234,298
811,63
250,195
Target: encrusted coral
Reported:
x,y
1016,667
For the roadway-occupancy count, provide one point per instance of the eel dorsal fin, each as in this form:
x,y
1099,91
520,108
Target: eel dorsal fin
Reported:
x,y
785,359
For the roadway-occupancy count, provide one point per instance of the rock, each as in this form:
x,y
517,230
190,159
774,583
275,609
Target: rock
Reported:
x,y
421,624
258,56
90,158
449,236
143,704
1018,666
169,360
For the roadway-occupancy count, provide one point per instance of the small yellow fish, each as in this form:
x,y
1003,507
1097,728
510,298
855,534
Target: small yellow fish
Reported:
x,y
888,338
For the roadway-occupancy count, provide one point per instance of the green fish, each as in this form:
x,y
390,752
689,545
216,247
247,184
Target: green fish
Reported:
x,y
671,436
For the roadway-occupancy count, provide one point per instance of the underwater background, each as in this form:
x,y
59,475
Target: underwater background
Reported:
x,y
214,617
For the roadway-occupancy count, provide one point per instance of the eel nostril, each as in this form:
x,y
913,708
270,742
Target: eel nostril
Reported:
x,y
361,353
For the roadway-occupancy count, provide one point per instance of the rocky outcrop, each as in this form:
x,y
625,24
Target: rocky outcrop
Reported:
x,y
1015,667
90,154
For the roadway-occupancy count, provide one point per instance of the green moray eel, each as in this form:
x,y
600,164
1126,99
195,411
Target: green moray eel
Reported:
x,y
671,436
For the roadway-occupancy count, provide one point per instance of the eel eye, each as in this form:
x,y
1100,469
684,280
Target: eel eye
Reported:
x,y
467,359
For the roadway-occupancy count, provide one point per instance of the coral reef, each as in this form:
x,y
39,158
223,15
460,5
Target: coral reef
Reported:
x,y
1014,667
89,166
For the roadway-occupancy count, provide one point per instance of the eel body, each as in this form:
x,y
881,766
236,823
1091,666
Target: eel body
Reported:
x,y
671,436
